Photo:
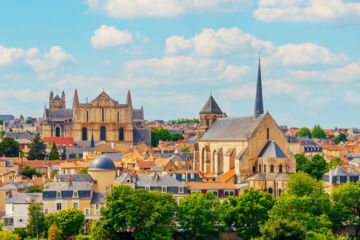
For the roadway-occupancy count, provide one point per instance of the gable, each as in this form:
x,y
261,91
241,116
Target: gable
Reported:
x,y
103,100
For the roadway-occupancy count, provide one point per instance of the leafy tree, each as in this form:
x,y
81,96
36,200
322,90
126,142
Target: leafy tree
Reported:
x,y
54,232
36,224
318,132
316,167
98,231
185,149
29,172
199,215
83,170
334,162
340,138
52,174
50,219
163,135
247,212
6,235
149,215
21,233
34,189
184,120
282,229
63,155
54,153
70,221
37,149
304,132
9,147
2,132
301,162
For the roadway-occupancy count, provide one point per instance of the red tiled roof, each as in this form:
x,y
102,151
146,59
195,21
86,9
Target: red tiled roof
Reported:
x,y
226,176
142,164
62,141
210,185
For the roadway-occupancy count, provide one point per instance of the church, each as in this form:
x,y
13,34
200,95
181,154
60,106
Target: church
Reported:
x,y
119,125
252,150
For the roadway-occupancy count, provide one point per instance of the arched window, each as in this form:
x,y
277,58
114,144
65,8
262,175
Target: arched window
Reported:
x,y
280,168
84,134
270,190
259,167
272,168
264,168
87,116
121,134
102,115
57,132
118,117
254,169
102,133
267,134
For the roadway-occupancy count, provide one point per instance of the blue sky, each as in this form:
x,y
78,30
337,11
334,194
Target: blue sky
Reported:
x,y
172,53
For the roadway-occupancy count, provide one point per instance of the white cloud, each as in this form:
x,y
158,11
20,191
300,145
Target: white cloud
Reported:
x,y
110,36
348,73
239,93
232,73
51,60
8,55
44,76
222,41
164,8
306,10
26,95
352,97
78,81
304,54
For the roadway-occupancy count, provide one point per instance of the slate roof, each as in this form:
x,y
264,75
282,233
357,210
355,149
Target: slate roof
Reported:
x,y
98,197
157,180
16,186
74,177
123,178
337,171
102,163
24,198
138,115
142,135
269,176
308,142
59,114
7,118
59,186
232,128
115,156
272,150
211,107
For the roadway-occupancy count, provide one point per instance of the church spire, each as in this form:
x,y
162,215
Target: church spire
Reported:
x,y
259,106
128,99
75,100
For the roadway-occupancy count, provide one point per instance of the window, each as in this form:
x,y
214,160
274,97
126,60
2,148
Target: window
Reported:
x,y
181,189
226,193
75,194
84,134
279,191
215,193
118,117
72,171
97,206
87,116
46,211
10,178
75,205
121,134
102,115
259,167
264,168
163,189
231,193
272,168
254,169
102,133
270,190
58,194
107,190
57,132
280,168
87,211
58,206
20,220
267,134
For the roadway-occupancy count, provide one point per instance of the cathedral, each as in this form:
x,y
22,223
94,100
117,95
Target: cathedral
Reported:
x,y
251,149
103,119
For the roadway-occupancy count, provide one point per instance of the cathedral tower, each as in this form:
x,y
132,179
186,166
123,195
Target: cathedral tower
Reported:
x,y
259,106
209,113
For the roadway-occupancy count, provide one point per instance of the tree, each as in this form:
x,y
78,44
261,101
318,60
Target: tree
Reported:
x,y
63,155
340,138
199,215
334,162
304,132
176,137
316,167
163,135
29,172
83,170
70,221
247,212
52,174
2,132
36,224
54,233
318,132
98,231
37,149
21,233
34,189
54,153
9,147
185,149
301,162
282,230
6,235
148,215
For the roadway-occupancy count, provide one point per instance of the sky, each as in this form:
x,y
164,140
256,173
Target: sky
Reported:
x,y
172,54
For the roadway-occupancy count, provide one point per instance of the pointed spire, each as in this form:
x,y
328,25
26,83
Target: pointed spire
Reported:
x,y
211,106
63,95
259,106
51,94
128,99
92,144
75,100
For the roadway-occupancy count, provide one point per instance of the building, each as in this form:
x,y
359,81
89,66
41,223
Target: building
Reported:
x,y
119,125
254,146
339,175
310,148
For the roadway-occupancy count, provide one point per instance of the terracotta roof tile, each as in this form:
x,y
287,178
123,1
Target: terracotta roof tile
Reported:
x,y
67,141
226,176
210,185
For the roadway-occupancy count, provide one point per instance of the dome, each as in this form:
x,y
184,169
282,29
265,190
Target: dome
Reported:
x,y
102,163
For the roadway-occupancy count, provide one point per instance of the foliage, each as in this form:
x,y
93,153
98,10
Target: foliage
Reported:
x,y
29,120
184,120
54,232
97,230
2,132
301,162
70,221
9,147
1,122
52,174
199,215
29,172
36,223
54,153
318,132
6,235
63,155
50,219
282,229
84,170
316,167
334,162
21,233
37,149
148,215
247,212
304,132
34,189
340,138
163,135
185,149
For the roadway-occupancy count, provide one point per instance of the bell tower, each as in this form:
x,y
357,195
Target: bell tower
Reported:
x,y
208,115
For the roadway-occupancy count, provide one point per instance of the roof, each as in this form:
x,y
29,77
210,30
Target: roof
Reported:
x,y
226,176
62,141
98,197
340,172
102,163
59,186
146,180
16,186
138,115
308,143
143,164
232,128
59,114
268,176
142,135
124,177
211,107
74,177
210,185
24,198
7,118
115,156
75,164
103,148
272,150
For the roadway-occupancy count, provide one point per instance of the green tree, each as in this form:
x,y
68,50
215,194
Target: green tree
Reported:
x,y
34,189
301,162
199,215
185,149
334,162
21,233
318,132
52,174
9,147
54,153
29,172
36,224
340,138
163,135
247,212
70,221
37,149
6,235
83,170
148,214
98,231
54,232
316,167
63,155
304,132
282,229
2,132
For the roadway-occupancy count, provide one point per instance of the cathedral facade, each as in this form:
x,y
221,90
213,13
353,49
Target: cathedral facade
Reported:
x,y
103,119
252,148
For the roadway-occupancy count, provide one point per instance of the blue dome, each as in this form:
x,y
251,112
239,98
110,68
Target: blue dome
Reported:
x,y
102,163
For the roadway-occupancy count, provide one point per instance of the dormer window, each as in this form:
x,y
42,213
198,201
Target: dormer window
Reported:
x,y
58,194
181,189
75,194
163,189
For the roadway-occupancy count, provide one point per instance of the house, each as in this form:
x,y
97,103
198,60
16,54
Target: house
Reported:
x,y
73,167
67,142
310,148
222,190
6,190
339,175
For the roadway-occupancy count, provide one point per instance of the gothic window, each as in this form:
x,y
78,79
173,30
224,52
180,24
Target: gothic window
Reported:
x,y
280,168
259,167
254,169
267,134
102,133
272,168
264,168
207,122
87,116
84,134
121,134
102,115
270,190
57,132
118,118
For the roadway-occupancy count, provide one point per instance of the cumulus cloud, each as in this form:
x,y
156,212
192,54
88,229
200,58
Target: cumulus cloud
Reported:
x,y
348,73
25,95
164,8
110,36
222,41
306,10
8,55
232,73
352,97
